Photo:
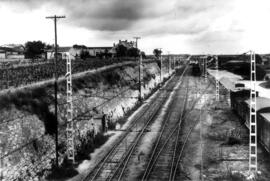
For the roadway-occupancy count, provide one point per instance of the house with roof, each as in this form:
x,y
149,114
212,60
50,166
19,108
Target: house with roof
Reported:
x,y
61,51
126,43
75,51
96,51
12,52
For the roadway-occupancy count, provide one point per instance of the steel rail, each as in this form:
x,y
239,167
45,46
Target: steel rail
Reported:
x,y
126,160
177,125
153,160
108,155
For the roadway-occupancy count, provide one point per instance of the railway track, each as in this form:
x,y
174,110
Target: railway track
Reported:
x,y
164,146
166,155
115,161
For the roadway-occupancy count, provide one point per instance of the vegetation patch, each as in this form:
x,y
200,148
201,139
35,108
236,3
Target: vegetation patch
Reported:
x,y
243,69
35,101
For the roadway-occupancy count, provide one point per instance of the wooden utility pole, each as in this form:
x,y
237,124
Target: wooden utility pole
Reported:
x,y
169,62
160,64
140,69
55,83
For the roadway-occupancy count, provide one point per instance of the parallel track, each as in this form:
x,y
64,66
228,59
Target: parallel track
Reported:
x,y
117,158
166,157
163,148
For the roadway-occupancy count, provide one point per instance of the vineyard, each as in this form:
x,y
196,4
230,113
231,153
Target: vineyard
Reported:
x,y
12,75
27,119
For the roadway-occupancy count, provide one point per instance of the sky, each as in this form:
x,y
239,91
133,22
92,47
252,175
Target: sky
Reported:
x,y
176,26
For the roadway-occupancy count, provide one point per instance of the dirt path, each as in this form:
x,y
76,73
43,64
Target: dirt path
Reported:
x,y
220,152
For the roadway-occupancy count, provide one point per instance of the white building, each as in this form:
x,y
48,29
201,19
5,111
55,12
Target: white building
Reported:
x,y
76,52
95,51
11,53
62,51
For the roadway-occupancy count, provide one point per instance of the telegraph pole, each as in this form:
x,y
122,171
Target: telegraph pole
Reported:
x,y
174,63
55,18
140,76
169,62
160,65
140,69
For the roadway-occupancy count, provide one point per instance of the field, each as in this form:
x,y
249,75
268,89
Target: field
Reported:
x,y
13,75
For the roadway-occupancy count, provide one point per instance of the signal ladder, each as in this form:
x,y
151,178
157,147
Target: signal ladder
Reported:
x,y
205,68
253,117
70,123
217,82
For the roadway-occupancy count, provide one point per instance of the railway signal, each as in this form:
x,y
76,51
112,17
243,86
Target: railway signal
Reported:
x,y
253,116
70,124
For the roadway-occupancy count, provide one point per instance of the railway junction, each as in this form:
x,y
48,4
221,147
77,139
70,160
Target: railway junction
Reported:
x,y
197,123
185,131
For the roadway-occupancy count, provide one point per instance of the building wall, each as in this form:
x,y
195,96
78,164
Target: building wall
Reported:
x,y
96,51
2,55
73,52
14,56
50,55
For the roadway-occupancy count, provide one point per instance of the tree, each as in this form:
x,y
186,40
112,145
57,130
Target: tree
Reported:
x,y
133,52
79,46
121,51
34,49
106,53
48,47
84,54
143,54
157,52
